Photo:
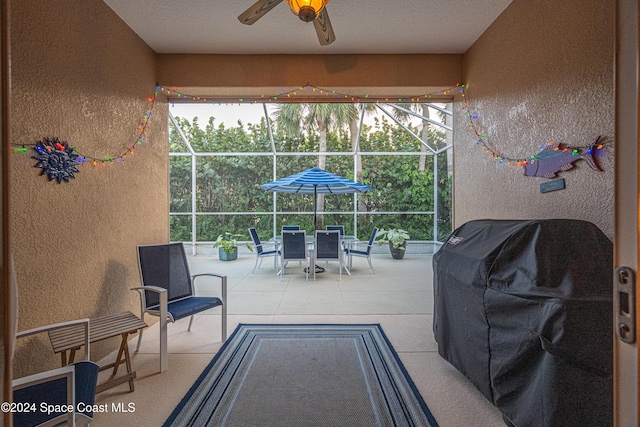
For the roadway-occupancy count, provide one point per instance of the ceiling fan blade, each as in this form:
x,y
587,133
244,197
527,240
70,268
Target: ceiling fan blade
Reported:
x,y
257,11
324,28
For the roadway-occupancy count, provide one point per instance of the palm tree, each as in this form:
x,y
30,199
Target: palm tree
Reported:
x,y
292,117
403,117
437,141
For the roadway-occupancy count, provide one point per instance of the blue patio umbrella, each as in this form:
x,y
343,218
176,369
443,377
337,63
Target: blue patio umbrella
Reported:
x,y
315,181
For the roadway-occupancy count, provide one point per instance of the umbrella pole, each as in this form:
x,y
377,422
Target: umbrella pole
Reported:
x,y
315,208
315,222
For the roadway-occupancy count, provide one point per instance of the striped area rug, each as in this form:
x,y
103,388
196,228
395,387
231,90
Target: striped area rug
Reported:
x,y
304,375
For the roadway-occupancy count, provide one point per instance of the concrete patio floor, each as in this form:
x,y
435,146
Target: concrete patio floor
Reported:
x,y
399,297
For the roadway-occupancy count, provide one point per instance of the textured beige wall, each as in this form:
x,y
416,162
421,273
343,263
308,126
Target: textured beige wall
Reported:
x,y
330,71
543,71
80,74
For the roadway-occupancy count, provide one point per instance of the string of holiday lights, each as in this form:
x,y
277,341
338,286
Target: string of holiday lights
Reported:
x,y
311,91
488,148
304,92
103,161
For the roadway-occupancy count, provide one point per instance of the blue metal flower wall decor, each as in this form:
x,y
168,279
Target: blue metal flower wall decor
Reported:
x,y
56,159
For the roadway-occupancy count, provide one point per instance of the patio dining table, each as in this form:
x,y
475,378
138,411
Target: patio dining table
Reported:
x,y
310,238
345,239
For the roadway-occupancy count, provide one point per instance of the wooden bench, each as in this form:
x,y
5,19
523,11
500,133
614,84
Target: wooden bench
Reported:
x,y
101,328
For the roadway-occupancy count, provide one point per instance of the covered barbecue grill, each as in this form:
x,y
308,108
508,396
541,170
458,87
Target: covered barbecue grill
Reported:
x,y
524,310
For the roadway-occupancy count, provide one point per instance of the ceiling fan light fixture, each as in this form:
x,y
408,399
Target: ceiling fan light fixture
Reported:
x,y
307,10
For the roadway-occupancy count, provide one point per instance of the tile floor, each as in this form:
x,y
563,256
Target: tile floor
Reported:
x,y
399,297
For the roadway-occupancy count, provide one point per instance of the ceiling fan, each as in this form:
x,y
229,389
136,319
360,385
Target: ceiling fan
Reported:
x,y
307,10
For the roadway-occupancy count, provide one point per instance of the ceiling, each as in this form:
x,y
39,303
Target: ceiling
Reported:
x,y
361,26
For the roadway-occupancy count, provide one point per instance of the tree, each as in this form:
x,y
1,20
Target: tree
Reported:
x,y
318,117
437,139
403,117
227,183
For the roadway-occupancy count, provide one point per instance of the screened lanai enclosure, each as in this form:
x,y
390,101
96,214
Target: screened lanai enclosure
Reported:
x,y
220,153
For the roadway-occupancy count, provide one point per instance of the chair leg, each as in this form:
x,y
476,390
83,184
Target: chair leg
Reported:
x,y
256,264
224,309
190,322
164,353
139,340
344,263
224,323
283,264
370,265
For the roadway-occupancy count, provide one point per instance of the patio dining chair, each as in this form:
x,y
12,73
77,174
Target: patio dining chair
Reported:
x,y
294,248
351,251
261,252
328,248
168,291
71,386
290,227
340,228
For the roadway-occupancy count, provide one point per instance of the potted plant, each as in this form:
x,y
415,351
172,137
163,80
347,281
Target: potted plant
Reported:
x,y
397,239
227,245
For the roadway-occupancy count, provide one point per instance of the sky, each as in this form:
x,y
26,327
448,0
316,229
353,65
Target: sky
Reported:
x,y
248,113
224,113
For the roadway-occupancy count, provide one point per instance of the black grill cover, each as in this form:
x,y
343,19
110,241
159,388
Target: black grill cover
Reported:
x,y
524,310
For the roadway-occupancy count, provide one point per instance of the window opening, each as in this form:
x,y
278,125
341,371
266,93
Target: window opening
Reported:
x,y
219,154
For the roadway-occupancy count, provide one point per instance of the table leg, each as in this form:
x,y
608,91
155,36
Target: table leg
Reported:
x,y
346,268
127,359
128,377
123,345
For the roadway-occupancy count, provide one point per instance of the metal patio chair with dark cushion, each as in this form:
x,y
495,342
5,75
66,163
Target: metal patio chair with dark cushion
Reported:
x,y
261,252
73,385
327,248
290,227
340,228
294,248
168,290
351,251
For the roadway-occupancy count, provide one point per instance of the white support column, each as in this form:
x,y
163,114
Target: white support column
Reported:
x,y
273,151
435,199
193,205
193,181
